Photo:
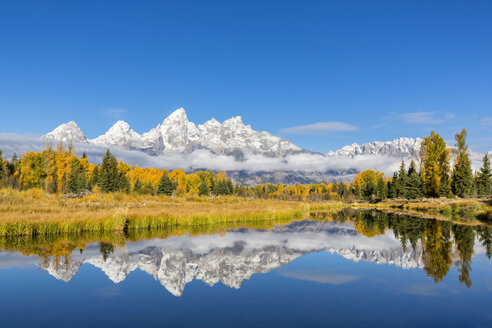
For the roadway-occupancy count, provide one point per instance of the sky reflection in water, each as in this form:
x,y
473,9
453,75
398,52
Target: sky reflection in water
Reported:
x,y
347,270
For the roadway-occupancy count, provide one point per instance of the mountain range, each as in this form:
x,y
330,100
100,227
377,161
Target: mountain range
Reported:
x,y
177,135
249,156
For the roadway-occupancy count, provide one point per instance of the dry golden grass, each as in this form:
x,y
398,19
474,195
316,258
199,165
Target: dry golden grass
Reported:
x,y
35,205
34,212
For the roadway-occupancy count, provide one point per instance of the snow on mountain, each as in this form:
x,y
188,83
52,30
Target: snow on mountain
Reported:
x,y
67,133
177,135
248,156
120,134
401,148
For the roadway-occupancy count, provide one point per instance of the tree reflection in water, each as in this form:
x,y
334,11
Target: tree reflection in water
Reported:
x,y
434,245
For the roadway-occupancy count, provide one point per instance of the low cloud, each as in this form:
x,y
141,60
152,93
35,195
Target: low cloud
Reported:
x,y
425,118
204,159
319,128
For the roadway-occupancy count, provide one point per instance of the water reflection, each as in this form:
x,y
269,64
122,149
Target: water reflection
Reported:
x,y
175,259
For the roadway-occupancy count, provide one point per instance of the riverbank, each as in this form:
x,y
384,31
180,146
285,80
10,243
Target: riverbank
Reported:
x,y
34,212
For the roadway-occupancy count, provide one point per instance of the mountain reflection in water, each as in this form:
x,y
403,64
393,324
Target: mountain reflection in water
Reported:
x,y
233,256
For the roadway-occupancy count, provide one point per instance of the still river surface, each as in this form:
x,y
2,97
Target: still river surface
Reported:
x,y
364,269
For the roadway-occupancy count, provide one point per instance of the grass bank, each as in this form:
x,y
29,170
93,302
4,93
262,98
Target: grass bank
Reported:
x,y
34,213
452,209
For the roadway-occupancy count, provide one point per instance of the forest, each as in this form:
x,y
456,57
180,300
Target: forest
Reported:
x,y
437,171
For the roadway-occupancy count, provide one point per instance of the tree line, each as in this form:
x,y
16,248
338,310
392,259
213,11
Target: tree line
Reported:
x,y
433,176
59,170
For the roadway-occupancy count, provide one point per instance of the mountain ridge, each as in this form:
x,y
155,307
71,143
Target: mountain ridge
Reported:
x,y
176,134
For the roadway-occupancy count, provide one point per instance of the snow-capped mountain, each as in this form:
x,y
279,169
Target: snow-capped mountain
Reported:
x,y
177,135
119,134
400,148
67,133
249,157
237,255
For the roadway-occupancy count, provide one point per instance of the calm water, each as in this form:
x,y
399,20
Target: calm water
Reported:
x,y
351,269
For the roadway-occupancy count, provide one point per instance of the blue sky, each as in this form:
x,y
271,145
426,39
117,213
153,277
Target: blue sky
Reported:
x,y
352,71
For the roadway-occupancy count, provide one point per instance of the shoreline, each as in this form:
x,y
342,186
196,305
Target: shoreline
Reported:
x,y
34,212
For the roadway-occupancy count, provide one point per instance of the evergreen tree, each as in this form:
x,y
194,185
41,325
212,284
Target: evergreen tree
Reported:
x,y
381,191
462,179
137,186
108,179
392,186
413,186
370,189
84,155
401,180
77,181
483,180
94,177
203,189
230,187
123,183
148,189
444,188
3,166
435,165
412,169
221,187
413,183
166,186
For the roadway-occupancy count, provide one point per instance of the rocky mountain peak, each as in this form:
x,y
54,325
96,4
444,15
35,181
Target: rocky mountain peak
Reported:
x,y
178,116
67,133
119,134
178,135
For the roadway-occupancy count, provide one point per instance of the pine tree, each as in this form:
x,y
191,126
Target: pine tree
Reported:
x,y
94,177
221,188
412,169
230,187
392,186
401,180
203,189
444,188
462,179
166,186
108,179
381,191
370,189
77,181
84,155
483,181
413,187
137,186
148,189
3,166
435,165
123,183
413,183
